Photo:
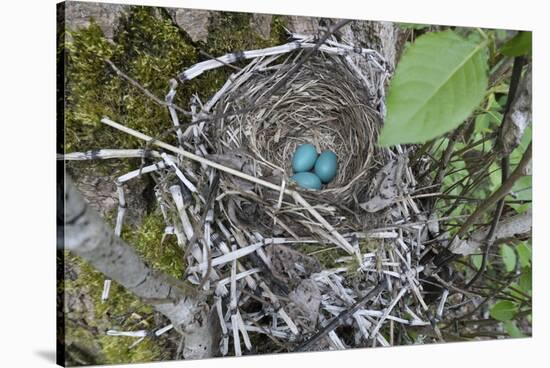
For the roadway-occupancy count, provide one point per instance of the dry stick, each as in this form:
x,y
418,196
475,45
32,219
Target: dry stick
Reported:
x,y
471,146
307,55
500,193
105,154
341,318
484,206
415,159
89,237
505,163
145,90
442,169
202,52
297,197
210,198
489,238
196,122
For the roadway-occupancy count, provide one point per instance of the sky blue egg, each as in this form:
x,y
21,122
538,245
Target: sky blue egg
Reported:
x,y
326,166
304,158
307,180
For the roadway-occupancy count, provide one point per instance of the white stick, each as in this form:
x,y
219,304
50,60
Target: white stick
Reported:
x,y
169,98
140,333
180,175
439,312
164,329
236,254
297,197
233,307
387,311
106,289
105,154
225,346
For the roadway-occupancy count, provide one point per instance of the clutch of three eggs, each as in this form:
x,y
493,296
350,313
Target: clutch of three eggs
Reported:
x,y
312,170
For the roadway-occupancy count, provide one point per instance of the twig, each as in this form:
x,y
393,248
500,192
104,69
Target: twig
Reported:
x,y
489,238
145,90
341,318
105,154
204,53
341,240
516,74
207,208
306,56
499,193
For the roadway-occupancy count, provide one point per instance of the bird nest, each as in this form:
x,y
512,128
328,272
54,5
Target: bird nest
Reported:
x,y
323,103
225,194
276,103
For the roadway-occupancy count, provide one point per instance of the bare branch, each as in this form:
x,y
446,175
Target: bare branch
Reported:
x,y
90,238
498,194
518,117
145,91
508,228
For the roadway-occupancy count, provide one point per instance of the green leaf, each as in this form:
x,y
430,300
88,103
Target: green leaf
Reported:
x,y
522,189
508,257
512,329
413,25
476,260
491,115
503,310
520,208
524,253
495,176
517,153
439,81
483,121
526,280
516,291
520,44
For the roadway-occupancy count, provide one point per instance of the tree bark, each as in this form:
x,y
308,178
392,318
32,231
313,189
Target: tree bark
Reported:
x,y
90,238
518,117
508,228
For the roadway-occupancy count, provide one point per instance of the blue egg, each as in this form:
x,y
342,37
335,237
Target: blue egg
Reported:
x,y
304,158
307,180
326,166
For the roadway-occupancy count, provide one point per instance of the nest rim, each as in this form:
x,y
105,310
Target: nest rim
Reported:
x,y
324,104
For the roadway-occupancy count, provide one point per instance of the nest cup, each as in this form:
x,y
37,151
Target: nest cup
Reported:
x,y
324,103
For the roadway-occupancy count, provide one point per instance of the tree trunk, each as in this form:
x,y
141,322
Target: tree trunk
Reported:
x,y
90,238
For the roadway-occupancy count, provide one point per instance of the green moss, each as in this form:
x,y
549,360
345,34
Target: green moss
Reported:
x,y
326,255
123,310
165,255
117,351
148,48
120,301
230,32
278,32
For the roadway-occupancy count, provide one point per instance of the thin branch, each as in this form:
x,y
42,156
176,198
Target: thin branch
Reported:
x,y
86,235
145,91
338,320
505,165
489,239
306,56
341,241
499,193
204,53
